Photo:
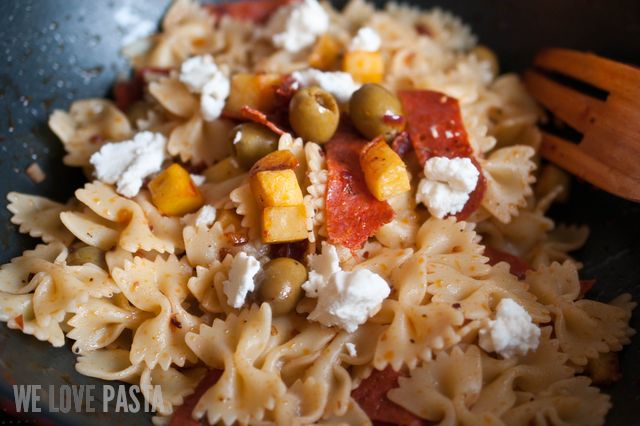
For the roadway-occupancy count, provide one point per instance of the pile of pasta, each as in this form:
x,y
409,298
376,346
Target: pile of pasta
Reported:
x,y
155,312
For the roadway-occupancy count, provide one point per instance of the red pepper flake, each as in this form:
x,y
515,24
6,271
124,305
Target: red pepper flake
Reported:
x,y
517,265
401,144
585,286
259,117
353,214
248,10
182,415
285,91
435,127
371,395
19,321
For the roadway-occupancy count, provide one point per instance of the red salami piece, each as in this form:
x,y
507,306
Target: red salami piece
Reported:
x,y
182,415
401,144
517,266
353,214
261,118
128,92
371,395
435,127
247,10
585,286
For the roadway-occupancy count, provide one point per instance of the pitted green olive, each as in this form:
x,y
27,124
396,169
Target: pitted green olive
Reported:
x,y
375,111
251,142
314,114
281,285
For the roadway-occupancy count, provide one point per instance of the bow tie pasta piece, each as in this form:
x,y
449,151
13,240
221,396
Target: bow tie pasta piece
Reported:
x,y
236,345
159,287
39,217
127,223
89,124
584,327
509,177
38,290
99,322
114,364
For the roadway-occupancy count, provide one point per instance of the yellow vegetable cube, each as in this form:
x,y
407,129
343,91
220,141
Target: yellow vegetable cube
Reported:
x,y
174,193
276,188
364,67
325,53
255,90
384,171
284,224
224,170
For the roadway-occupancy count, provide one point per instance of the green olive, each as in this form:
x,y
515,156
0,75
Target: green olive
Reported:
x,y
314,114
281,286
87,254
375,111
223,170
251,142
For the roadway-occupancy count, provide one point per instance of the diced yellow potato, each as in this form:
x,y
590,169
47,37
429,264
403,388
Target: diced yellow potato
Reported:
x,y
255,90
223,170
384,171
364,67
174,193
325,53
276,188
284,224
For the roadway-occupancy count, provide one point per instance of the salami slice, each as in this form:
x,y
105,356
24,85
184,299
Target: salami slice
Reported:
x,y
248,10
517,265
435,127
371,395
182,415
353,214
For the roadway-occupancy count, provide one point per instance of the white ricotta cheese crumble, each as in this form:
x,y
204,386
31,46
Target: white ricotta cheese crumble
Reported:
x,y
345,299
366,40
512,333
203,218
339,84
446,185
297,26
241,279
128,163
202,76
321,268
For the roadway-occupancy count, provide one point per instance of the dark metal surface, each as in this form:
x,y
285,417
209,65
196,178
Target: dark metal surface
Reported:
x,y
55,51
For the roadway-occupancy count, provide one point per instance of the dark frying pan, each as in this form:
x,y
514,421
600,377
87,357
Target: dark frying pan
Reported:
x,y
54,51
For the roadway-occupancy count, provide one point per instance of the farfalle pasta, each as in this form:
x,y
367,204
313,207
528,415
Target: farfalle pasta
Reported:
x,y
265,273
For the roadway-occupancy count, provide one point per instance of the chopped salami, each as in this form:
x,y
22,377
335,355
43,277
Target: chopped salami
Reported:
x,y
371,395
248,10
585,286
128,92
182,416
353,214
261,118
401,144
435,127
517,265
